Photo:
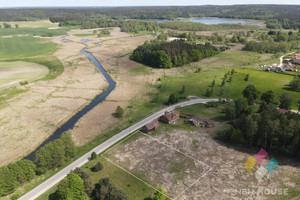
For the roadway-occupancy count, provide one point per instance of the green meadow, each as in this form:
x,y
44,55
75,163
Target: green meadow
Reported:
x,y
197,83
16,47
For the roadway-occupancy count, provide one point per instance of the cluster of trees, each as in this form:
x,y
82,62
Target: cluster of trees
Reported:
x,y
270,47
14,174
266,128
295,83
277,36
171,54
55,153
52,155
75,186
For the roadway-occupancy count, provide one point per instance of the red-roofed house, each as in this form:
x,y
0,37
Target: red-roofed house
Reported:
x,y
296,58
284,111
170,117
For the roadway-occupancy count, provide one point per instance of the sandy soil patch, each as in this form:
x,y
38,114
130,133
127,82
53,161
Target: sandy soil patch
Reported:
x,y
143,157
158,163
33,116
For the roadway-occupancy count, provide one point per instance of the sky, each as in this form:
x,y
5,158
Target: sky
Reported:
x,y
62,3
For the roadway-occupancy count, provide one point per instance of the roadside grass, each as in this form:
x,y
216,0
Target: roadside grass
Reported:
x,y
17,47
197,83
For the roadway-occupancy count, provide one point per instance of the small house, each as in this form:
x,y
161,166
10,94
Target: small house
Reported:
x,y
296,58
152,126
283,111
170,117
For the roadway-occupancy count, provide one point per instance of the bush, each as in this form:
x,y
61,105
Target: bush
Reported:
x,y
172,99
93,156
23,82
119,112
98,167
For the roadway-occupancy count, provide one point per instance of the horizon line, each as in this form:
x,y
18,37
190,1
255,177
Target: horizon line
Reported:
x,y
22,7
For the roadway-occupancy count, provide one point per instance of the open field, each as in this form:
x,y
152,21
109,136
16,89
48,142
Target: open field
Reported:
x,y
44,32
34,24
11,73
45,105
49,103
17,47
157,163
197,83
141,155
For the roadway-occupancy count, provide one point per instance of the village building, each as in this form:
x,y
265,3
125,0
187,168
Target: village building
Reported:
x,y
283,111
170,117
152,126
296,58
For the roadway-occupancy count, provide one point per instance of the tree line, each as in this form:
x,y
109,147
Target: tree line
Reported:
x,y
51,156
163,54
270,47
276,16
267,127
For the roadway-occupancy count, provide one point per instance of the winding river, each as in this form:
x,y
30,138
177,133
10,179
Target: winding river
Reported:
x,y
100,98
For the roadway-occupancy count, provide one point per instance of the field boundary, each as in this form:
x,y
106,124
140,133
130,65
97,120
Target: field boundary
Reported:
x,y
167,145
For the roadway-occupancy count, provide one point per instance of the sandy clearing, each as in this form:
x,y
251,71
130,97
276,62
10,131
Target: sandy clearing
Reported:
x,y
142,157
33,116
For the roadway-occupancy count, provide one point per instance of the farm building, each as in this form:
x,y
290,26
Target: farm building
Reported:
x,y
170,117
296,58
152,126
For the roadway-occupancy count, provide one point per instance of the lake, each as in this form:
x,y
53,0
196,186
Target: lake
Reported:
x,y
211,21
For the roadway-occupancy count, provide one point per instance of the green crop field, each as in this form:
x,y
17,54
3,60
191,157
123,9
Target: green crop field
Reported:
x,y
16,47
34,24
44,32
196,84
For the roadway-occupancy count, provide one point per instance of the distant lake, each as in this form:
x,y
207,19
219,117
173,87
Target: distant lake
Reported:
x,y
211,21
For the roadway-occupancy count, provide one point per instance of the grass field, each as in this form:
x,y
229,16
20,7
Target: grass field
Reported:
x,y
11,73
16,47
197,83
34,24
44,32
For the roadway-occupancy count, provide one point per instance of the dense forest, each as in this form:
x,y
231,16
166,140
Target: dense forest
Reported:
x,y
267,128
163,54
276,16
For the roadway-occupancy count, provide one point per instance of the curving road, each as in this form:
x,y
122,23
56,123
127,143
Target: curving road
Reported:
x,y
281,58
37,191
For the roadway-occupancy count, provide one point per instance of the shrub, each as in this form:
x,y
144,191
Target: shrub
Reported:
x,y
119,112
98,167
93,156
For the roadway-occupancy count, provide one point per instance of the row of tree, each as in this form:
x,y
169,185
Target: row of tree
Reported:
x,y
52,155
270,47
171,54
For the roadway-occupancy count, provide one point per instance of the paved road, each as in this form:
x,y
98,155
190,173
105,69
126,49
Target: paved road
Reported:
x,y
37,191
